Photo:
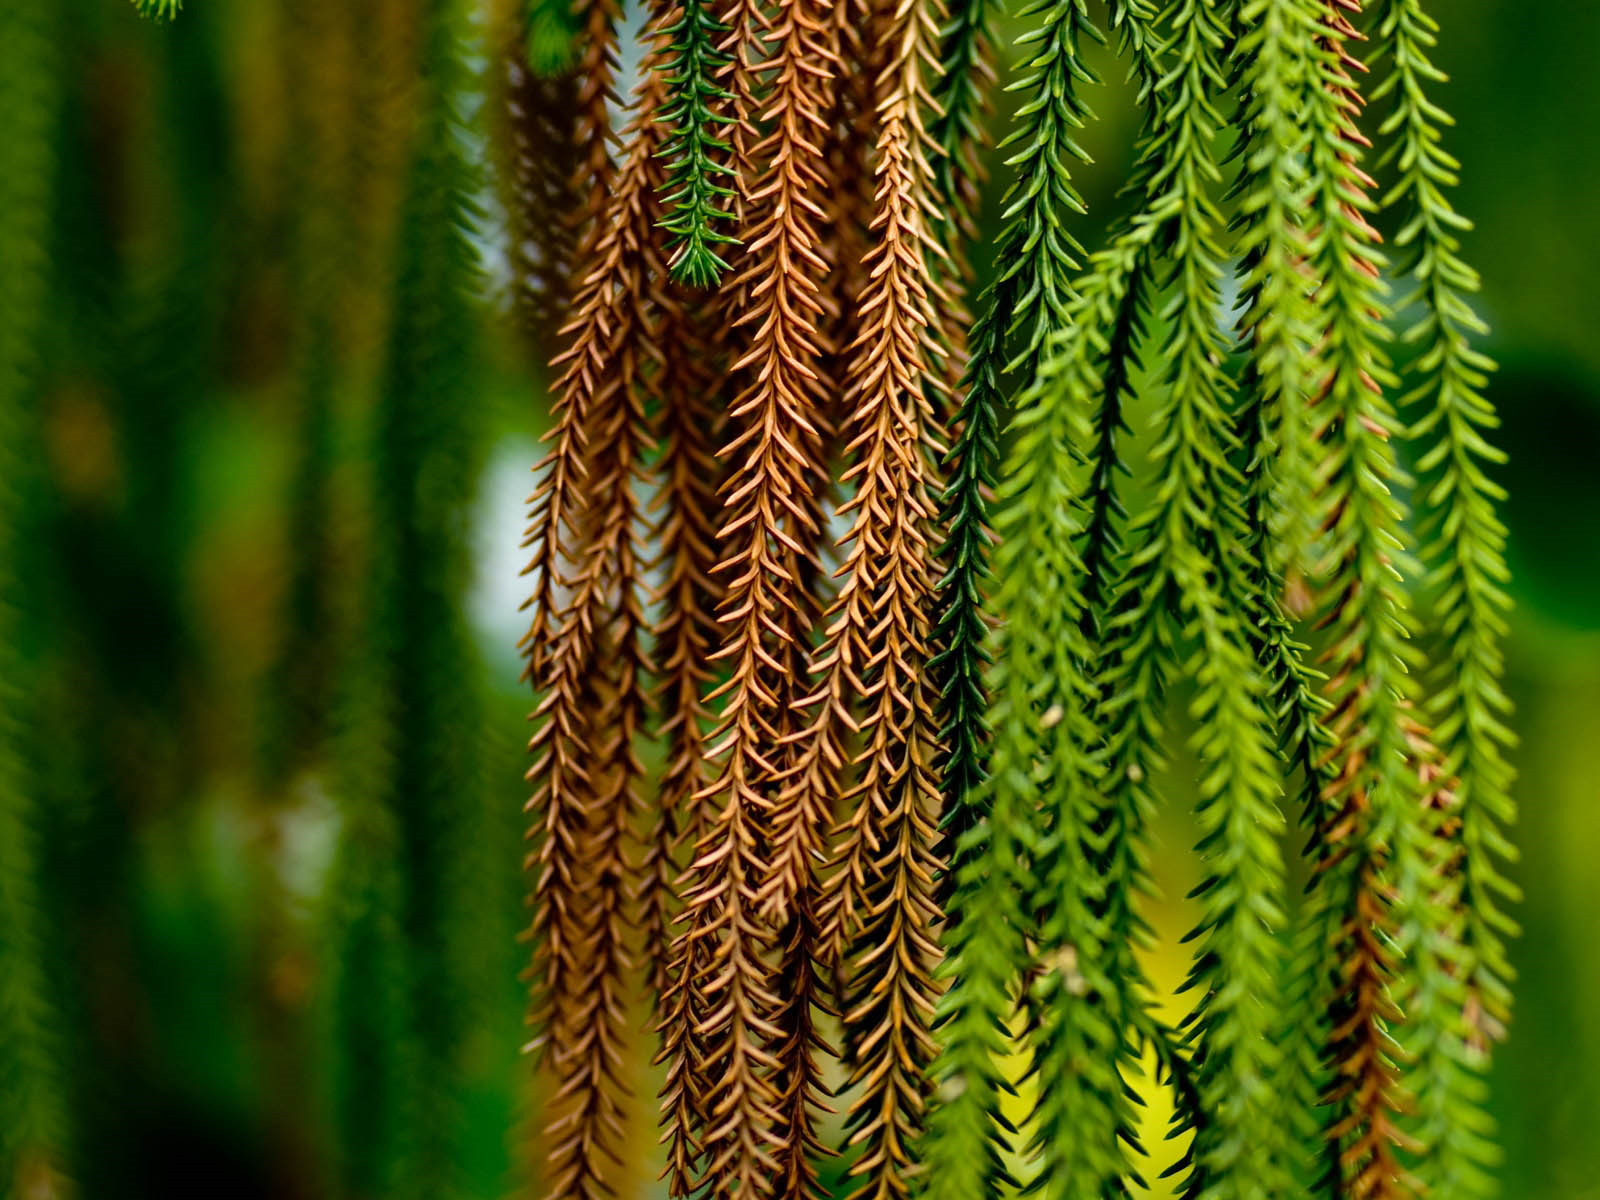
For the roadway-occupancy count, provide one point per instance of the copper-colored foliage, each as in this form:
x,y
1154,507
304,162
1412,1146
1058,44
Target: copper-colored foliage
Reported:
x,y
586,657
1364,1098
596,74
686,636
769,534
826,333
539,171
880,910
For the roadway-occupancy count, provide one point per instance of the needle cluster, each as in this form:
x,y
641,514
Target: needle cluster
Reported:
x,y
903,817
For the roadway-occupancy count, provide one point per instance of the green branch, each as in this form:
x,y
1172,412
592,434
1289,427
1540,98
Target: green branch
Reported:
x,y
1463,546
32,1113
698,177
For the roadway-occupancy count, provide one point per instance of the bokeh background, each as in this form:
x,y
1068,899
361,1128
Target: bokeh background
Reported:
x,y
205,539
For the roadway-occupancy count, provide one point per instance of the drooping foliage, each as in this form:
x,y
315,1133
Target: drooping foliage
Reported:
x,y
32,1092
1257,453
407,751
877,575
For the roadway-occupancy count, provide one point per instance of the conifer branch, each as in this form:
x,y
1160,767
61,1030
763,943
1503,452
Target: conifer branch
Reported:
x,y
770,528
747,28
1035,254
588,660
32,1114
1047,752
159,9
1194,531
698,181
686,636
1469,551
1464,550
880,908
596,22
1273,62
960,630
1275,65
968,1137
961,98
1375,827
685,428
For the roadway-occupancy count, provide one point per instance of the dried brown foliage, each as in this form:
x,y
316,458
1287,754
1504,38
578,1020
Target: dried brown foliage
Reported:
x,y
539,175
880,912
586,657
686,636
769,530
1364,1097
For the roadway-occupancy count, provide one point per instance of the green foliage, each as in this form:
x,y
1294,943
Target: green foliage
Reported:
x,y
1251,495
1194,532
160,9
698,180
410,748
1083,1001
31,1112
554,29
967,1137
1035,253
1464,549
959,628
1272,62
960,99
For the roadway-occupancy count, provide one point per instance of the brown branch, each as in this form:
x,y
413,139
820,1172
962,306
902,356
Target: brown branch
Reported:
x,y
539,152
1364,1096
686,637
585,654
770,528
880,914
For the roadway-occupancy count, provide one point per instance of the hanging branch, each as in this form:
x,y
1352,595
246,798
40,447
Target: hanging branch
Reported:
x,y
1193,531
880,910
960,88
1044,695
771,527
32,1115
1464,548
589,663
738,74
1273,61
596,23
556,509
1035,255
685,427
159,9
699,178
1372,880
1275,66
687,634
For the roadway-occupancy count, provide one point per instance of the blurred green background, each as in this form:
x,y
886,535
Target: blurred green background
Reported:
x,y
236,296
